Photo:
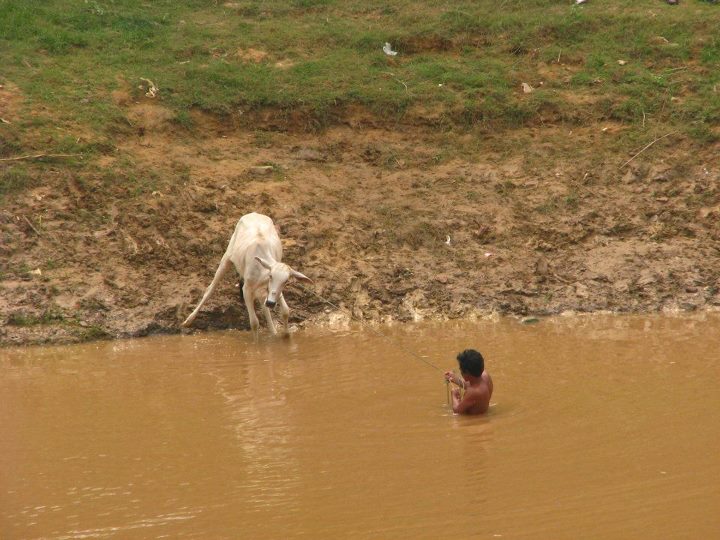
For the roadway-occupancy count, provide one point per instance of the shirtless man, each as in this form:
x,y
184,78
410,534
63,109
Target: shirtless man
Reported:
x,y
476,382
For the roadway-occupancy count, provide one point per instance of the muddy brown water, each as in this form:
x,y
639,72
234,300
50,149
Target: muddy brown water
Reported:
x,y
601,427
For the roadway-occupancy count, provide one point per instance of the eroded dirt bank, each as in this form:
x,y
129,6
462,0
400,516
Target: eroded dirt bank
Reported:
x,y
389,222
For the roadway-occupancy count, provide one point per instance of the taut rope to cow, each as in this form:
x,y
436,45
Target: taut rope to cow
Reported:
x,y
374,330
387,338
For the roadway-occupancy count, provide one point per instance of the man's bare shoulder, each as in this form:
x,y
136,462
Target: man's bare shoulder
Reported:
x,y
487,379
481,390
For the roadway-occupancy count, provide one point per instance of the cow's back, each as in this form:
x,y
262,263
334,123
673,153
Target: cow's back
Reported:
x,y
252,230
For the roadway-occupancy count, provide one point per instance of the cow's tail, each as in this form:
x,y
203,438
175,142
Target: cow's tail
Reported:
x,y
225,263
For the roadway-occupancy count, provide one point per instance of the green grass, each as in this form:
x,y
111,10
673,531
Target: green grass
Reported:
x,y
54,316
49,316
91,333
13,179
464,58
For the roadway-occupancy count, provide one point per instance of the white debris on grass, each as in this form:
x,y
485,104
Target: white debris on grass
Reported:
x,y
387,49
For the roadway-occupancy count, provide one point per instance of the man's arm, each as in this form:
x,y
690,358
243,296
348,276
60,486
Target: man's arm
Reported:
x,y
462,406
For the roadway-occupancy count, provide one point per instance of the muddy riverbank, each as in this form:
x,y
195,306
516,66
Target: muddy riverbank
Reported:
x,y
402,223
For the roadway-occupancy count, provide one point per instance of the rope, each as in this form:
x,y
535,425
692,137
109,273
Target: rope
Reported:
x,y
386,338
375,331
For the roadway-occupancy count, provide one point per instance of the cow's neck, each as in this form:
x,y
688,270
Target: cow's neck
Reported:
x,y
263,251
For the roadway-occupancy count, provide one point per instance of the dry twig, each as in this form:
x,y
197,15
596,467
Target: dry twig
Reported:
x,y
646,147
31,226
398,80
36,156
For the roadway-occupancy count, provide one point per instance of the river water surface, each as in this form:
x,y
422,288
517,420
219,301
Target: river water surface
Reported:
x,y
601,427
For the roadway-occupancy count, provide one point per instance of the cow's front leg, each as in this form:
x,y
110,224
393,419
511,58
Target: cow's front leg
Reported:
x,y
268,318
249,297
284,313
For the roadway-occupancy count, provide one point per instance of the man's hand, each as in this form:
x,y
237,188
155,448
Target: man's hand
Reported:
x,y
456,393
451,377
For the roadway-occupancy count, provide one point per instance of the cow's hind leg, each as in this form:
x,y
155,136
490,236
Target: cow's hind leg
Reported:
x,y
222,268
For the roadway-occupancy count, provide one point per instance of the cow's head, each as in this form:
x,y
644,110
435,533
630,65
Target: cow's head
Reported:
x,y
279,274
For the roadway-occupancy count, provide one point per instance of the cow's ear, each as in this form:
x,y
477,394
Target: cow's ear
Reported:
x,y
300,276
263,263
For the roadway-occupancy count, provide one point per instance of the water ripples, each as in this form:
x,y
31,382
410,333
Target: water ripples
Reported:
x,y
330,434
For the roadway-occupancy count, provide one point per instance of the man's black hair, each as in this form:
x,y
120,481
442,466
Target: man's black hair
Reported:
x,y
471,362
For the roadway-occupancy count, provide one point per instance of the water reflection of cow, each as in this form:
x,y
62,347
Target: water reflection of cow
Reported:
x,y
255,251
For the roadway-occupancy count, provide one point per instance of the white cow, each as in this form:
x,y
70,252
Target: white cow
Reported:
x,y
256,252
